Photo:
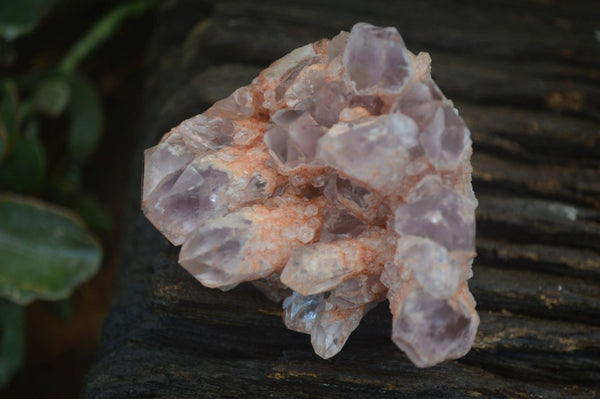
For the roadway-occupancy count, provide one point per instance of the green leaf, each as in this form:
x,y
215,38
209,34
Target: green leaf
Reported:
x,y
101,31
9,116
24,168
95,213
45,251
12,340
52,96
86,119
19,17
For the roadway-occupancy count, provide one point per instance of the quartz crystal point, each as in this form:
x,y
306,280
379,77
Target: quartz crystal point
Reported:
x,y
338,178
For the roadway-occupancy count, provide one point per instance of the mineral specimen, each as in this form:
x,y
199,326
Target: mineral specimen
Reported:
x,y
340,176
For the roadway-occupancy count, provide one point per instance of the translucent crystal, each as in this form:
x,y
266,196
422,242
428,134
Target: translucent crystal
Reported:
x,y
431,330
165,159
376,58
300,312
184,198
330,317
435,270
339,177
442,216
323,266
213,254
293,138
333,327
375,152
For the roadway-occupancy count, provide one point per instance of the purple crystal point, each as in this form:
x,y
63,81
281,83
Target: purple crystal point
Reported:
x,y
376,58
213,254
431,330
293,138
374,152
183,199
442,216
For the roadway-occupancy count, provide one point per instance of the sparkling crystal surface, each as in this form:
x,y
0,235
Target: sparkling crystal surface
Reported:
x,y
338,178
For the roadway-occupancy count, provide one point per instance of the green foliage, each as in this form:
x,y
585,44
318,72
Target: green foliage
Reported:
x,y
19,17
9,116
46,251
101,31
85,117
12,340
94,213
24,168
52,96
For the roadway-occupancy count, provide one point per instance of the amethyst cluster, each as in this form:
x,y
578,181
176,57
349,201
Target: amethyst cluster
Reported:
x,y
338,178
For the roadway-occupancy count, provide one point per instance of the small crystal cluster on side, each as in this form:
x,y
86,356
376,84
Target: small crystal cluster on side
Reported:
x,y
339,177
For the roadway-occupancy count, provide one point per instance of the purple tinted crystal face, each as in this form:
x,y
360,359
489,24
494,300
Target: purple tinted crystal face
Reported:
x,y
446,138
277,139
300,312
435,271
285,117
163,160
357,291
293,137
375,152
305,133
444,135
307,83
186,198
213,253
329,102
350,191
444,217
205,133
420,102
432,330
376,58
347,194
237,106
290,75
338,223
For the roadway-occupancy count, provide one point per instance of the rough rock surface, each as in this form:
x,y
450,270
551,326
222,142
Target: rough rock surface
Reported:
x,y
338,178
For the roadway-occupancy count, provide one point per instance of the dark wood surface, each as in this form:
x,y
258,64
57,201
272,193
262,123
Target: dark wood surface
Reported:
x,y
525,75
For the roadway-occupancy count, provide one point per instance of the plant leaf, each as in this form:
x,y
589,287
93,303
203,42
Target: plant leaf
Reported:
x,y
19,17
25,166
9,116
45,251
12,340
86,119
52,96
101,31
95,213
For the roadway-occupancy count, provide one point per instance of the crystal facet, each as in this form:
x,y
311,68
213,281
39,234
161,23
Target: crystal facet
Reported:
x,y
339,177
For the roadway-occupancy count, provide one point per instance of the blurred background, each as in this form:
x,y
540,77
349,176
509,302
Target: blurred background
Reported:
x,y
71,75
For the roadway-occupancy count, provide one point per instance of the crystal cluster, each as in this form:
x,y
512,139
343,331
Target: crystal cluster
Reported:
x,y
338,178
